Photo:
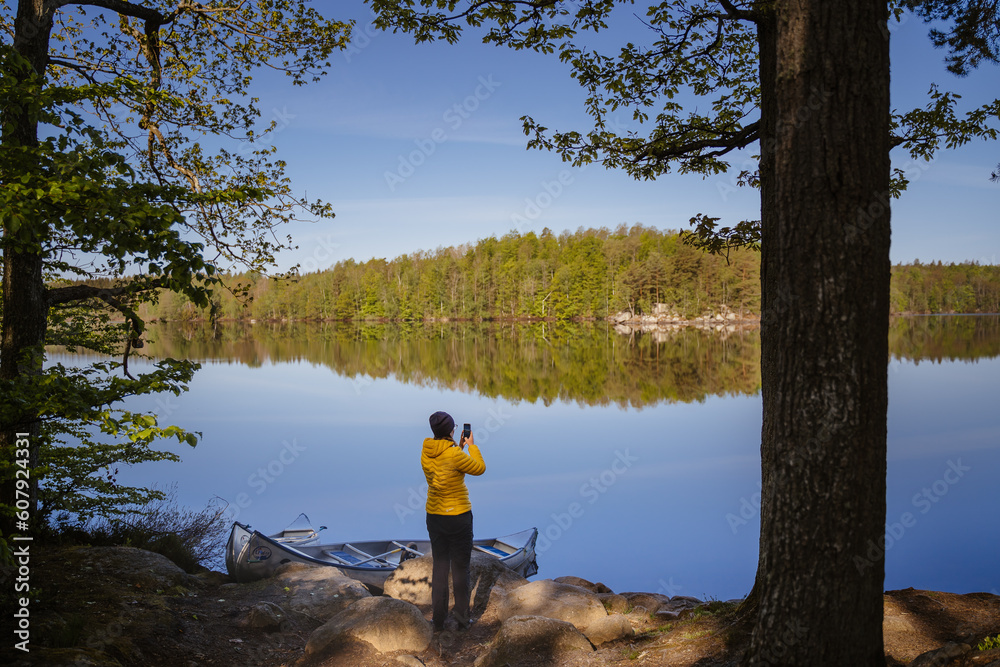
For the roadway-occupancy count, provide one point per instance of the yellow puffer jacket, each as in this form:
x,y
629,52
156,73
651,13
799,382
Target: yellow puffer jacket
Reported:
x,y
445,467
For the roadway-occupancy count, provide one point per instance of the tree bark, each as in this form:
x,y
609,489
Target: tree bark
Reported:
x,y
824,340
767,59
25,310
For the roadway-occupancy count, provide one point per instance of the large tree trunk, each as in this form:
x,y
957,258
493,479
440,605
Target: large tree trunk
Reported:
x,y
25,310
767,57
824,340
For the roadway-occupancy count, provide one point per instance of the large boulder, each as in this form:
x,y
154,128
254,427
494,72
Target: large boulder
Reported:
x,y
534,640
265,616
941,656
614,603
679,606
646,603
488,578
138,568
598,588
552,599
679,602
609,629
385,623
316,591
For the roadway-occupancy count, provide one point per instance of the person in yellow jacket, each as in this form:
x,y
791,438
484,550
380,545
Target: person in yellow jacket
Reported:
x,y
449,515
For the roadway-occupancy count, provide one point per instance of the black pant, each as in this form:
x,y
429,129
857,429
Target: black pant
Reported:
x,y
451,546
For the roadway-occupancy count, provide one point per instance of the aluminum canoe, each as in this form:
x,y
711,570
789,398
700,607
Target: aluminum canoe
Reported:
x,y
251,555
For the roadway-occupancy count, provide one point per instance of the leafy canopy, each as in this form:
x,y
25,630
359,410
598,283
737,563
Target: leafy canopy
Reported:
x,y
689,82
134,159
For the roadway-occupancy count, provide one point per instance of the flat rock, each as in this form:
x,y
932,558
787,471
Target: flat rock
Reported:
x,y
917,622
530,640
315,591
551,599
385,623
488,577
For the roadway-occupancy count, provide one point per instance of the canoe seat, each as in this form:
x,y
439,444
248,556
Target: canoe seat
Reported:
x,y
298,533
493,551
344,556
355,558
350,559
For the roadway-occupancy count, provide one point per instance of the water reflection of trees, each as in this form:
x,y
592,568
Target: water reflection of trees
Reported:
x,y
587,363
946,338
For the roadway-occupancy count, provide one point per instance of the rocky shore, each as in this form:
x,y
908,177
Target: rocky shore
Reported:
x,y
664,318
118,606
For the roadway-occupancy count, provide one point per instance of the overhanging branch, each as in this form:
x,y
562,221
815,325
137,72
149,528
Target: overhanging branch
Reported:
x,y
716,147
60,295
118,6
109,295
735,12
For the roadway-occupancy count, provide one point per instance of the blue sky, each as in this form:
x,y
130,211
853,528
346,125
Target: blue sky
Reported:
x,y
420,146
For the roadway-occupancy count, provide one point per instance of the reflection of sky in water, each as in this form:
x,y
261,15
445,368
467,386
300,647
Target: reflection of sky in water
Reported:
x,y
639,499
944,418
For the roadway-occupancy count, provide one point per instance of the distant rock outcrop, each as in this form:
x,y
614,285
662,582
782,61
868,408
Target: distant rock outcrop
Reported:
x,y
665,318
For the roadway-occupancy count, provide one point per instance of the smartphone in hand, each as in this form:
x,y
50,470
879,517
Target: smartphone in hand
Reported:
x,y
466,431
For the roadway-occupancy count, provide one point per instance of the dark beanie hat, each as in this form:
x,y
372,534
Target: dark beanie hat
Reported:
x,y
442,424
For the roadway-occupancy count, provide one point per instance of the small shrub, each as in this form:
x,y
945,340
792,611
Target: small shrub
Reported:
x,y
191,539
173,547
989,643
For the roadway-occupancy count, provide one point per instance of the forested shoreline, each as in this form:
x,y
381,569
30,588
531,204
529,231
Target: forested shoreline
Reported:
x,y
589,274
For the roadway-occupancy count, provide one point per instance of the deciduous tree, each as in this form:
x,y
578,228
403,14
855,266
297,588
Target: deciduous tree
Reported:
x,y
131,150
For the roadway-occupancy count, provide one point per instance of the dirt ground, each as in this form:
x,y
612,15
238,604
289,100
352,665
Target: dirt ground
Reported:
x,y
87,617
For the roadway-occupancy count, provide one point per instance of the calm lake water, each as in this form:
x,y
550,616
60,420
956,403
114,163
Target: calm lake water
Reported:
x,y
635,455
